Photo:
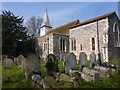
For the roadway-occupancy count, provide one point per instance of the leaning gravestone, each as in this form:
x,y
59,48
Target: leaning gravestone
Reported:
x,y
92,59
52,64
20,58
70,62
8,63
77,80
32,66
82,60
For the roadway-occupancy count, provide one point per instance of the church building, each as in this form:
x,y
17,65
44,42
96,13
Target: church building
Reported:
x,y
100,35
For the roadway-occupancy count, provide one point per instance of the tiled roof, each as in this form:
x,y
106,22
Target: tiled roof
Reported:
x,y
64,29
94,19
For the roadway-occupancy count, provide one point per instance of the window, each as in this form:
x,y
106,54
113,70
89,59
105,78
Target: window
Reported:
x,y
62,44
93,44
45,46
73,45
116,33
81,47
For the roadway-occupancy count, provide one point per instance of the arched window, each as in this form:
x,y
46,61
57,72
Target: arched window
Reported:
x,y
93,43
116,34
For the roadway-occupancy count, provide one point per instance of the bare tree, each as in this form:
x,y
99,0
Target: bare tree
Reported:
x,y
33,26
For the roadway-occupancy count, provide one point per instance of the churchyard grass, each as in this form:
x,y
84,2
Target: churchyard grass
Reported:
x,y
114,62
43,67
105,83
61,67
17,79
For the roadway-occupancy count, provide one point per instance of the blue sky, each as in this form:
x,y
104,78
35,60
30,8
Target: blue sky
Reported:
x,y
61,12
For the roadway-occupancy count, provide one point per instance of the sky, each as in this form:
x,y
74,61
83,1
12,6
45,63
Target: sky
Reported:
x,y
61,13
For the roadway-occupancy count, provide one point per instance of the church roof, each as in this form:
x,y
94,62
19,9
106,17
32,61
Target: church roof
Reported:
x,y
94,19
46,21
64,29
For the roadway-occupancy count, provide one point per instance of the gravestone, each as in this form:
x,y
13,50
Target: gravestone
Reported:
x,y
32,66
100,61
8,63
20,58
70,63
49,82
3,57
78,80
37,79
52,64
23,65
92,59
96,77
82,60
64,77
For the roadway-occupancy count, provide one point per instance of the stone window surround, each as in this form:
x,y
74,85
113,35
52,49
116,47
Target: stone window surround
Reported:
x,y
73,44
65,44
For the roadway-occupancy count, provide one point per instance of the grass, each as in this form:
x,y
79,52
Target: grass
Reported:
x,y
114,62
18,80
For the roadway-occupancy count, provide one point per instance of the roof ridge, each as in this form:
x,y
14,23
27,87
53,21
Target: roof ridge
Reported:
x,y
93,19
77,20
66,23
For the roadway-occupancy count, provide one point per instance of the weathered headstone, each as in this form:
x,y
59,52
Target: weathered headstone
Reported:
x,y
78,80
49,82
23,65
96,77
82,60
3,57
52,64
64,77
37,79
8,63
92,59
70,62
100,61
32,66
20,58
84,76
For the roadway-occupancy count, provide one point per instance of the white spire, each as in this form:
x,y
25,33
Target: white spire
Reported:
x,y
46,21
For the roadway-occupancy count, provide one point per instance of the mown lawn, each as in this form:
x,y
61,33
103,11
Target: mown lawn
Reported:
x,y
18,80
